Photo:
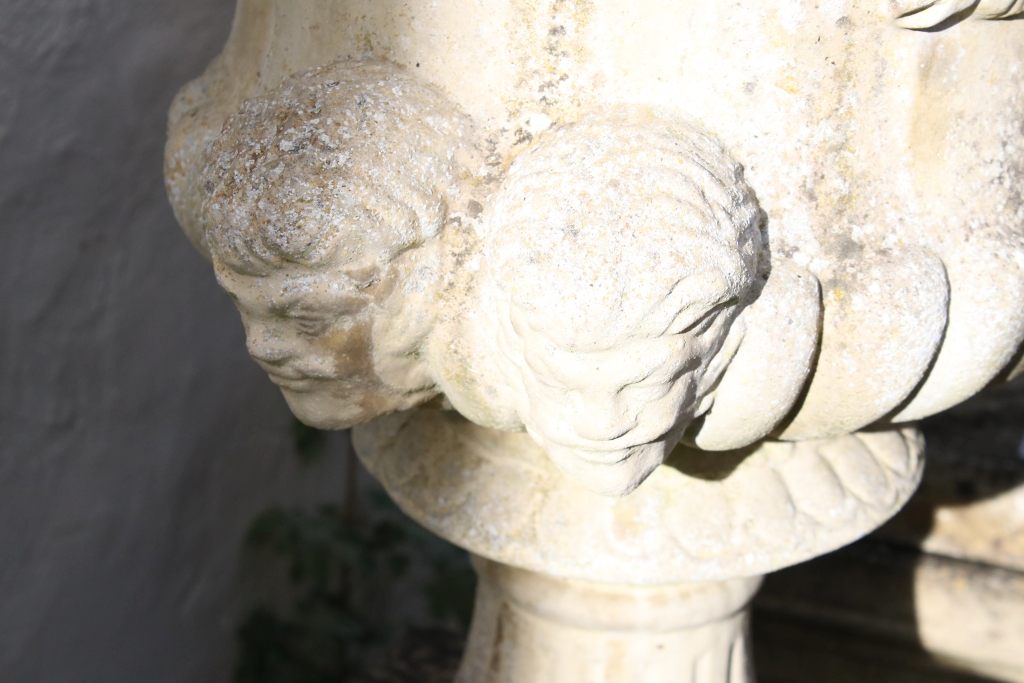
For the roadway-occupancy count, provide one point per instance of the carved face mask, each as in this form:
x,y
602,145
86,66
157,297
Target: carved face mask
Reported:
x,y
311,331
609,417
621,245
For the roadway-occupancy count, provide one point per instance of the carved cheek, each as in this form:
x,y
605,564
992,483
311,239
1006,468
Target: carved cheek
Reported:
x,y
547,404
602,416
349,347
662,407
658,407
545,409
681,396
385,284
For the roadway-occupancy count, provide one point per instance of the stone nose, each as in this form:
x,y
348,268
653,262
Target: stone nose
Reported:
x,y
266,347
601,417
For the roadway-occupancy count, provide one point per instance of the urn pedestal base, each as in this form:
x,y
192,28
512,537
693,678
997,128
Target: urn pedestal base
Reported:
x,y
529,626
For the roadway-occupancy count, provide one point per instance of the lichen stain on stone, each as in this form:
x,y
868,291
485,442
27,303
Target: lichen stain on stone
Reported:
x,y
615,665
505,619
551,38
932,116
364,42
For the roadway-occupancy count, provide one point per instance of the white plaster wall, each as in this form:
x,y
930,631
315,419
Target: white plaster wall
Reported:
x,y
137,440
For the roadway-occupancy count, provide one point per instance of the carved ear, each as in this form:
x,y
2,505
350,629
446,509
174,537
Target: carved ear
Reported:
x,y
692,299
773,362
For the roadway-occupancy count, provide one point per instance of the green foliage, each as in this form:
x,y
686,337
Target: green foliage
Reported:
x,y
316,648
451,589
309,441
339,574
342,572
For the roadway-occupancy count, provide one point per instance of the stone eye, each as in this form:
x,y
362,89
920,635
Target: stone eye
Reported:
x,y
311,327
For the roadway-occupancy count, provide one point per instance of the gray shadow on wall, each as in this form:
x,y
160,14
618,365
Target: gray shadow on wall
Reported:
x,y
137,440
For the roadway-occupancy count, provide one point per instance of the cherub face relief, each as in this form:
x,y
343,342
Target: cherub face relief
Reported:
x,y
311,330
618,248
609,417
322,203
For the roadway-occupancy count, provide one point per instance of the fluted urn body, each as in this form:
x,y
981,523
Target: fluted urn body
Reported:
x,y
636,301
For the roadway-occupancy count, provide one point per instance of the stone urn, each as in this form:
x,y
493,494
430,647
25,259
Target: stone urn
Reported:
x,y
635,301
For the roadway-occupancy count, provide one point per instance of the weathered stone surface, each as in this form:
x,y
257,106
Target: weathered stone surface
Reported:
x,y
913,277
700,517
598,230
532,627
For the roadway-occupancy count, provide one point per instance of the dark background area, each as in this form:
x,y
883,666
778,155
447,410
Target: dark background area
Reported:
x,y
137,440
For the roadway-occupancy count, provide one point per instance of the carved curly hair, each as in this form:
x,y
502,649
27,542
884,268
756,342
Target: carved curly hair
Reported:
x,y
627,223
349,163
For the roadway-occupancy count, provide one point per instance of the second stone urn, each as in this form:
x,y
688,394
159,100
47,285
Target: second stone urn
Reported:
x,y
636,302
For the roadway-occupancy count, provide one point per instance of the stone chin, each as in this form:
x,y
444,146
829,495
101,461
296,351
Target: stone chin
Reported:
x,y
610,473
326,410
